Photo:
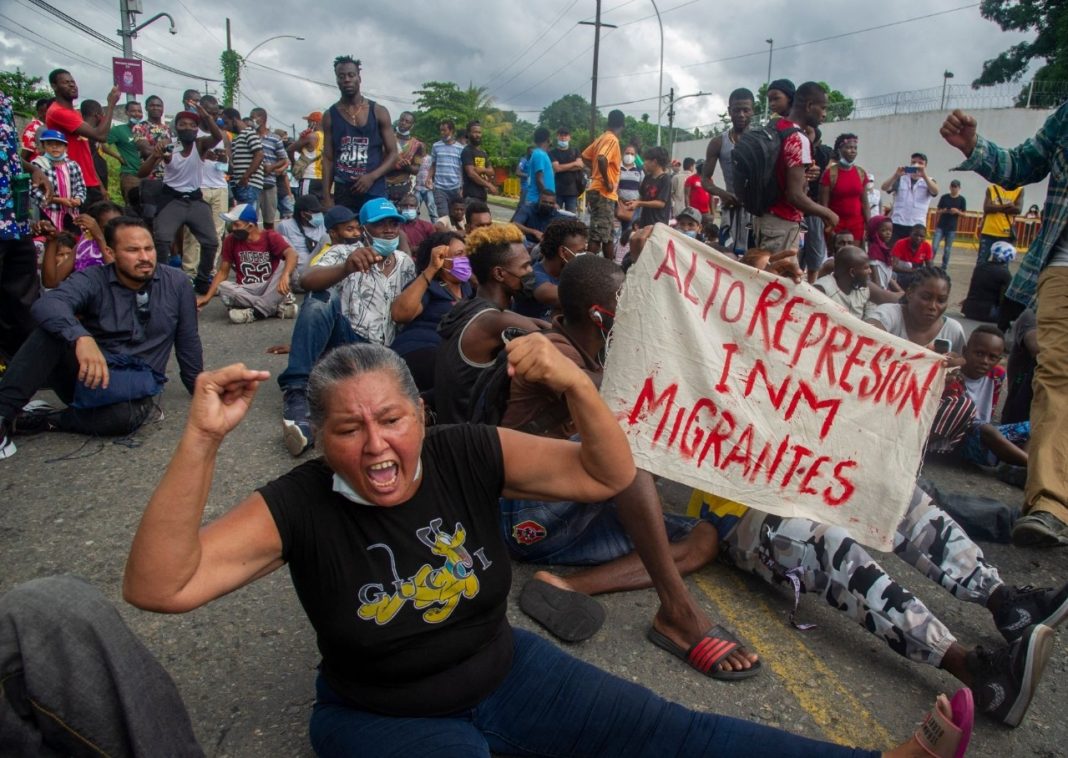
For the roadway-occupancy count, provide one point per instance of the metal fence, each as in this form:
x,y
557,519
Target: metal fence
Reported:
x,y
1048,94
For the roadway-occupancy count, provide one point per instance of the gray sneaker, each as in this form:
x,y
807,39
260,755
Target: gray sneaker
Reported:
x,y
1039,529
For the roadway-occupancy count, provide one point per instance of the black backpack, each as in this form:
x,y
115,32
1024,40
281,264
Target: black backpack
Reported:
x,y
489,396
755,156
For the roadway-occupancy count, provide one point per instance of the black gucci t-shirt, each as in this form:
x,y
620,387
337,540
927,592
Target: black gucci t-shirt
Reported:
x,y
408,602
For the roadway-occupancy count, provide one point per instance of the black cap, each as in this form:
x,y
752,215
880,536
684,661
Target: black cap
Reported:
x,y
786,87
308,204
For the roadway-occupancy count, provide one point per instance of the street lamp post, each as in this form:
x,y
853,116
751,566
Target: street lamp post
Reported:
x,y
771,49
946,76
128,9
660,92
246,56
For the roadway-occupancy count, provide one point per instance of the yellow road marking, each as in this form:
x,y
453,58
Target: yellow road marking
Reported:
x,y
839,713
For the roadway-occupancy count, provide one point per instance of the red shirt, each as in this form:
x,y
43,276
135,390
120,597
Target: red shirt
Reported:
x,y
699,198
29,137
255,262
847,198
67,120
796,151
902,250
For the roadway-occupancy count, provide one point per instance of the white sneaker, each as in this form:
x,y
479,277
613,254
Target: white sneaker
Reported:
x,y
7,445
242,315
288,308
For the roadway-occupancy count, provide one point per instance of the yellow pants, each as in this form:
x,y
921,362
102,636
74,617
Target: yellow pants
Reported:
x,y
1047,465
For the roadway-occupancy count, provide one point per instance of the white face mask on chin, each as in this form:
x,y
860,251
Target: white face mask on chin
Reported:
x,y
342,487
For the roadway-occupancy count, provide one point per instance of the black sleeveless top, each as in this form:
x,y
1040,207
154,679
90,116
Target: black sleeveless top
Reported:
x,y
357,149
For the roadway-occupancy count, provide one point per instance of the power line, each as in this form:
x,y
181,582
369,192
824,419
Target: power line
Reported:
x,y
71,21
533,42
764,51
328,85
543,54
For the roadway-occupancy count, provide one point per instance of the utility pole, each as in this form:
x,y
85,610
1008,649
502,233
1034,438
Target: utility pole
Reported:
x,y
596,52
126,10
771,50
671,120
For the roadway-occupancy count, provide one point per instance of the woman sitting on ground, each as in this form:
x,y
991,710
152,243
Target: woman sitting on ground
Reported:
x,y
444,280
988,284
394,547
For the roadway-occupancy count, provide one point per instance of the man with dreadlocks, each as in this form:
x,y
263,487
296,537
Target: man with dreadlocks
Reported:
x,y
359,144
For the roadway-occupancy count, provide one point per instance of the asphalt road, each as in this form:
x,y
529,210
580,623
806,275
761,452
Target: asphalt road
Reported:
x,y
246,664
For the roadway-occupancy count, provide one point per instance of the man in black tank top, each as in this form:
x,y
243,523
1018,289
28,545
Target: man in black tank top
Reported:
x,y
359,145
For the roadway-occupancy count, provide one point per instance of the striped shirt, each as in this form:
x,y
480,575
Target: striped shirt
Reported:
x,y
273,151
1044,154
446,161
242,149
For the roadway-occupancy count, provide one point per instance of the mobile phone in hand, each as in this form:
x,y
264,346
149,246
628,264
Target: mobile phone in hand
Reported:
x,y
912,169
941,346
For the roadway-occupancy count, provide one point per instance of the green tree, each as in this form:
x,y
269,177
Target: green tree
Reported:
x,y
24,91
571,112
1048,20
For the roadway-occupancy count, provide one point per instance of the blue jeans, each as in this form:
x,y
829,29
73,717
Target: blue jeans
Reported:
x,y
76,681
948,238
426,197
551,704
573,534
250,194
568,202
320,326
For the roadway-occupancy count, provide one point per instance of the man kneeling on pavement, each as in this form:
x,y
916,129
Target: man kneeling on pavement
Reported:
x,y
102,343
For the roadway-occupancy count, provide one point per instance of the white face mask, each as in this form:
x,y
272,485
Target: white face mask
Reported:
x,y
628,159
342,487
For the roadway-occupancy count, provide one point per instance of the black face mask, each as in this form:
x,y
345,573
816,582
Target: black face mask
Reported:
x,y
544,209
187,136
351,241
240,234
526,285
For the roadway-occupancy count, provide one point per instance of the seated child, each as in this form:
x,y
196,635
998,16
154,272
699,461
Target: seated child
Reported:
x,y
981,379
58,254
68,184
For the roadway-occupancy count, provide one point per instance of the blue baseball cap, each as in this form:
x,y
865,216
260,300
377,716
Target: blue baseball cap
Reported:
x,y
243,212
51,135
338,214
379,209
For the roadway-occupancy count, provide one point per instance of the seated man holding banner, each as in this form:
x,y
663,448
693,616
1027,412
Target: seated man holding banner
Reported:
x,y
827,559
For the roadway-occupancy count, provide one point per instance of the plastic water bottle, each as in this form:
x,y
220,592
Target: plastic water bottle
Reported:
x,y
20,190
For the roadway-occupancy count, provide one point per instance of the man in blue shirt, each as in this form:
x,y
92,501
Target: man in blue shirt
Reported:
x,y
445,176
130,314
540,167
534,217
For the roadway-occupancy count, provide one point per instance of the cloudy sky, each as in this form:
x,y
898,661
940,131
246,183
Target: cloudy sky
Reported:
x,y
526,54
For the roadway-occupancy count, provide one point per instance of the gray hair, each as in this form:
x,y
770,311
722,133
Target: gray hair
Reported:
x,y
351,361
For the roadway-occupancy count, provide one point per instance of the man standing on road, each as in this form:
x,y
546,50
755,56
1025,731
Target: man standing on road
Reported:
x,y
153,131
306,154
359,146
410,155
912,190
1043,273
130,149
540,168
779,228
246,158
182,200
445,174
604,160
478,174
1001,206
568,168
950,209
274,163
736,218
678,187
64,117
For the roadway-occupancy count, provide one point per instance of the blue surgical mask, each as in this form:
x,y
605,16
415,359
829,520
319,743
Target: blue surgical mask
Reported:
x,y
135,121
341,487
409,214
562,143
844,163
222,166
690,233
317,219
385,247
57,158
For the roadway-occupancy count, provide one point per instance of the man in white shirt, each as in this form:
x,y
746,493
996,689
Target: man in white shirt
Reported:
x,y
848,285
213,187
912,189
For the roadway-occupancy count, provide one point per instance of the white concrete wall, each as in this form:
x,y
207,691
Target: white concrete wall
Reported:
x,y
886,142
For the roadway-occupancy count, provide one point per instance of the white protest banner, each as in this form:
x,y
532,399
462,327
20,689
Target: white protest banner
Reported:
x,y
767,393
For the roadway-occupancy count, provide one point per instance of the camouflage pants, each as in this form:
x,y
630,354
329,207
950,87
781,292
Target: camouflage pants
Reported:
x,y
830,562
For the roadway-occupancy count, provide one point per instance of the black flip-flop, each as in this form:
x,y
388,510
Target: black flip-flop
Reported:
x,y
571,616
705,654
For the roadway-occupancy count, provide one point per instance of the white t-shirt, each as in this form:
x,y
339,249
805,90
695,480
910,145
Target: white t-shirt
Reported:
x,y
892,317
366,298
981,392
911,200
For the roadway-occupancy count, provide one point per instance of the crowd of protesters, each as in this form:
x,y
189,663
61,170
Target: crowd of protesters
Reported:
x,y
445,371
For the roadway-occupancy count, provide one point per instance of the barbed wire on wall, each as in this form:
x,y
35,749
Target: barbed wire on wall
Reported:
x,y
1034,94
